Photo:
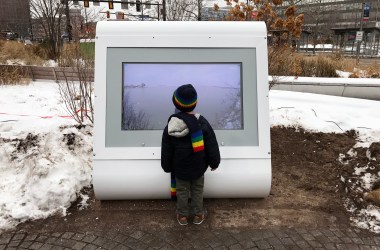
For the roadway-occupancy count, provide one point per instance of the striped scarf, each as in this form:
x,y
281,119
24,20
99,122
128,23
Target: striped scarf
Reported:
x,y
195,130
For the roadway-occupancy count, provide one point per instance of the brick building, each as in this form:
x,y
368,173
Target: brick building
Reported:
x,y
15,17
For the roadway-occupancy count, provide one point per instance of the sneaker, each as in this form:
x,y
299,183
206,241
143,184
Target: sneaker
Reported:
x,y
182,220
197,220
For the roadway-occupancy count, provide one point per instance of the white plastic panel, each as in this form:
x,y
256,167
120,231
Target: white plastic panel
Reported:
x,y
145,179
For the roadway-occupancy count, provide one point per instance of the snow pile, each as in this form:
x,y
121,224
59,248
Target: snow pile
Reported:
x,y
44,162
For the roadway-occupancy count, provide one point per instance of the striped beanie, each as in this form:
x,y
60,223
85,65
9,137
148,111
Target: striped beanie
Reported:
x,y
185,98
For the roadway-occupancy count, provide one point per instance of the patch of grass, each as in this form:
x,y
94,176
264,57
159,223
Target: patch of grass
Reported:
x,y
88,50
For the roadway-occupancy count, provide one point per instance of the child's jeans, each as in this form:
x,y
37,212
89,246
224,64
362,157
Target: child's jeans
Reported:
x,y
186,188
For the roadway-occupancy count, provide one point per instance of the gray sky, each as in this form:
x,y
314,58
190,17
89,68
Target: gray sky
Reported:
x,y
217,74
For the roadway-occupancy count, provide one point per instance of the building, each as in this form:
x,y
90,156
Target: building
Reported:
x,y
337,22
15,17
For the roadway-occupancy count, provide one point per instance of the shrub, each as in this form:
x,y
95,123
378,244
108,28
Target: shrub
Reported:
x,y
10,75
320,66
13,50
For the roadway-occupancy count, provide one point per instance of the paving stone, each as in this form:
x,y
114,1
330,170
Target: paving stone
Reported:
x,y
328,233
228,241
57,235
246,244
67,235
346,240
30,237
302,244
262,244
36,245
316,232
110,244
335,239
5,239
46,247
341,246
236,247
274,241
26,244
90,247
338,233
287,241
352,246
79,245
89,238
137,234
42,238
19,236
368,241
78,236
357,240
14,243
330,246
314,243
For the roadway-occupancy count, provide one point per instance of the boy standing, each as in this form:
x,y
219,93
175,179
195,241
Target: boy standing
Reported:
x,y
188,147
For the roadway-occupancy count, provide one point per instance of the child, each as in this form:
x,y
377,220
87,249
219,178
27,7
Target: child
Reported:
x,y
189,146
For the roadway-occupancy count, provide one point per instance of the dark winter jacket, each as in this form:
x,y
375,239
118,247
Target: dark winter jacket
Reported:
x,y
177,155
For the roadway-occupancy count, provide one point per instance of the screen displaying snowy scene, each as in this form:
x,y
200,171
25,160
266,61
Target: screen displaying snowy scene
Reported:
x,y
148,89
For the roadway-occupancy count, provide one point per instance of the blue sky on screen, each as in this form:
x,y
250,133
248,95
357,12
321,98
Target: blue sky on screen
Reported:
x,y
156,74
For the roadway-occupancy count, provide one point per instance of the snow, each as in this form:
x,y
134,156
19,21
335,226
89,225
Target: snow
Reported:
x,y
43,177
42,173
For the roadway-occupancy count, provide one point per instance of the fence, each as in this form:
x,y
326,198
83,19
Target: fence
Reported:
x,y
48,73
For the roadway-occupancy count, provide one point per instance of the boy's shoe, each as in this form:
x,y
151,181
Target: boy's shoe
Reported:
x,y
182,220
197,220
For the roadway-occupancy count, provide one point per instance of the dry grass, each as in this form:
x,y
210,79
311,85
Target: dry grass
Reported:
x,y
284,61
10,75
20,54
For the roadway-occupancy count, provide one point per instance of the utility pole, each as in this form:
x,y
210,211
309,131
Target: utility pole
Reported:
x,y
361,29
164,10
68,23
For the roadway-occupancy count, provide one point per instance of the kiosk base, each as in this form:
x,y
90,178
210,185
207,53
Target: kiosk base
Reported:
x,y
145,179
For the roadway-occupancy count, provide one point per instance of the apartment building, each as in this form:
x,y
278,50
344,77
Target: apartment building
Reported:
x,y
15,17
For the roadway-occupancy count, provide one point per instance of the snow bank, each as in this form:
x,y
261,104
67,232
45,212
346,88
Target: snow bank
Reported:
x,y
44,162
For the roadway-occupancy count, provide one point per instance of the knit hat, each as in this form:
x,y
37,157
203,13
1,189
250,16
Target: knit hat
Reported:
x,y
185,98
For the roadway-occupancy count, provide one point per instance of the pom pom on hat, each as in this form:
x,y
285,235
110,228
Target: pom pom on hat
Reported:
x,y
185,98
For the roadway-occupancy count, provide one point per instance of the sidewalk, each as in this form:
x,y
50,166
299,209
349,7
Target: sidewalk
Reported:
x,y
194,238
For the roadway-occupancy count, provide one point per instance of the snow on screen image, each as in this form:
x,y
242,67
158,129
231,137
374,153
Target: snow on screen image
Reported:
x,y
148,89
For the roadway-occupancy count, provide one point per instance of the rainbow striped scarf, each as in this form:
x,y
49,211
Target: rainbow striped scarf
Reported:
x,y
197,141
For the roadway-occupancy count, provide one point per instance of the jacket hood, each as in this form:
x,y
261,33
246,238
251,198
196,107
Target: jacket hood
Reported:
x,y
178,128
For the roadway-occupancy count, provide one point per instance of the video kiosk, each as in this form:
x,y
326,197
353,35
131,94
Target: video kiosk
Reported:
x,y
138,65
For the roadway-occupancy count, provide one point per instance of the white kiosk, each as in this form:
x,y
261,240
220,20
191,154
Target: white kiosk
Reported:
x,y
138,65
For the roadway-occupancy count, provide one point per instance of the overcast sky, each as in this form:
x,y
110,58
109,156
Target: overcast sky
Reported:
x,y
217,74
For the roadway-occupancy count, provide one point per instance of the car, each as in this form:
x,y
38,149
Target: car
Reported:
x,y
27,42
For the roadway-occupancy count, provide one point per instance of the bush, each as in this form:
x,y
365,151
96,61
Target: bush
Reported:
x,y
10,75
320,66
16,51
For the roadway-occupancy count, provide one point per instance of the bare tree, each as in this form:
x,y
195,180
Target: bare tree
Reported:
x,y
184,10
78,95
49,15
